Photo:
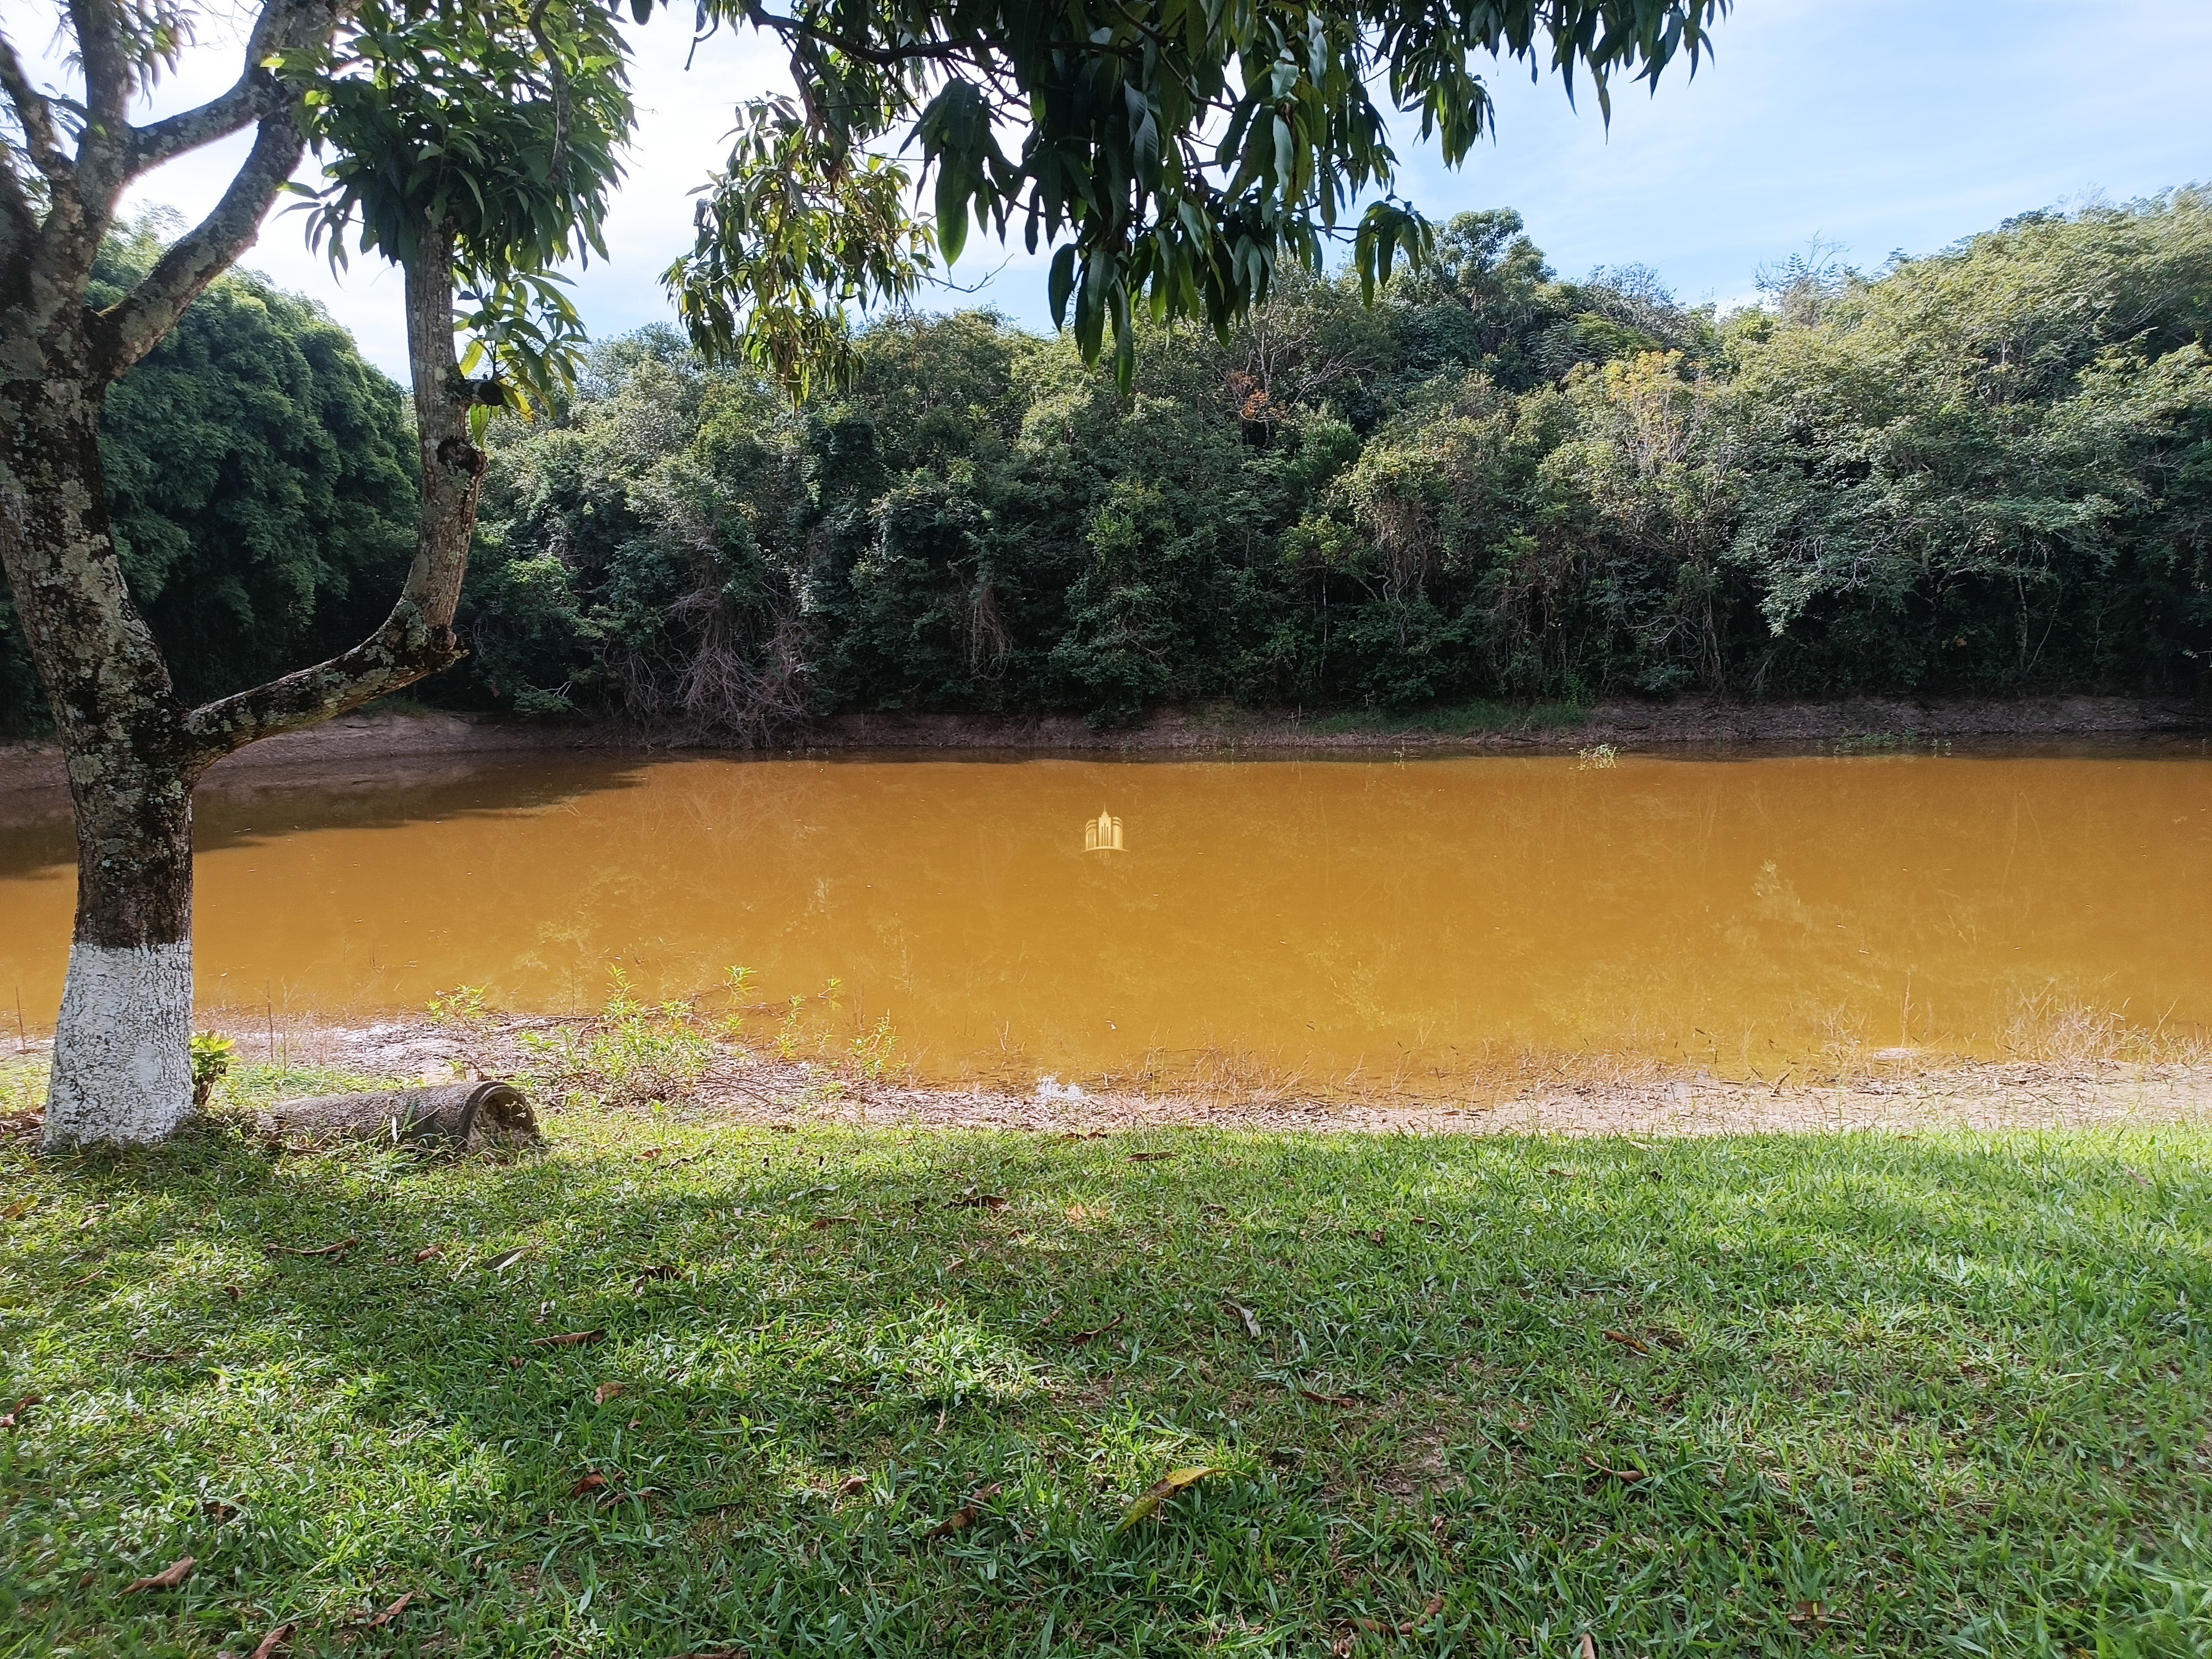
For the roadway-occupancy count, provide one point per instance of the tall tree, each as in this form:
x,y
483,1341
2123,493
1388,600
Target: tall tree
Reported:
x,y
1176,150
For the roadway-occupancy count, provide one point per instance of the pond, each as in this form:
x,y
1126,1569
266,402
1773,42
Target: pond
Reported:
x,y
1346,925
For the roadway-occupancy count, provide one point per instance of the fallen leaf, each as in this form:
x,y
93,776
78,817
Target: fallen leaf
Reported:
x,y
718,1653
425,1255
1633,1344
1084,1135
18,1210
509,1259
1554,1170
605,1391
822,1221
16,1411
168,1578
1251,1321
392,1612
338,1248
1424,1221
568,1339
1178,1480
1589,1646
1606,1471
851,1484
281,1637
590,1483
966,1513
1406,1627
972,1199
1815,1614
234,1292
1148,1158
1375,1237
2138,1176
1327,1399
1085,1336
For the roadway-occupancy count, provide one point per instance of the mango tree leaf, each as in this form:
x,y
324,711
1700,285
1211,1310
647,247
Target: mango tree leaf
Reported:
x,y
1178,1480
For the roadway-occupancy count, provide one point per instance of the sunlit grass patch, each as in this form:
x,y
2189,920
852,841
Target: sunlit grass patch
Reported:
x,y
1469,1396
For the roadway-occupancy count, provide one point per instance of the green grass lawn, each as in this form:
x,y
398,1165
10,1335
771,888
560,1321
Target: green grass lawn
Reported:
x,y
1775,1395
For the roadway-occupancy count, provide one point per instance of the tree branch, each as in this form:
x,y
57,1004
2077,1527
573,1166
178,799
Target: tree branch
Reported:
x,y
108,77
131,327
32,112
255,94
282,25
417,639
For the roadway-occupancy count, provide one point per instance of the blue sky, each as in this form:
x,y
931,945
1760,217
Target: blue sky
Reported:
x,y
1877,125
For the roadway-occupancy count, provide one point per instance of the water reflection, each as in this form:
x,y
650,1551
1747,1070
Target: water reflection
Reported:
x,y
1357,923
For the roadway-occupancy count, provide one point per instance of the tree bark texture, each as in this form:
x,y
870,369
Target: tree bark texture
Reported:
x,y
122,1045
471,1115
121,1065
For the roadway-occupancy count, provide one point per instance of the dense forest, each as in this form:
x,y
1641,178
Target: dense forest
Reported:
x,y
1989,470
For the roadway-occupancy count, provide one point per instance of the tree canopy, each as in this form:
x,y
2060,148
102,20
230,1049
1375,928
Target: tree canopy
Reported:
x,y
1987,471
1177,151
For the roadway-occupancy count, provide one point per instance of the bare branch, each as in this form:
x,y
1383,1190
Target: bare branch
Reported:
x,y
133,325
33,112
417,639
405,649
282,25
792,28
254,95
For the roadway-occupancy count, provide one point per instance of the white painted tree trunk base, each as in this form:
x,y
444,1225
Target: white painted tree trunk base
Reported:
x,y
123,1067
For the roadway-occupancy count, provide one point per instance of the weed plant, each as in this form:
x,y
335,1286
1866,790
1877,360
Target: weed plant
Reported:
x,y
634,1054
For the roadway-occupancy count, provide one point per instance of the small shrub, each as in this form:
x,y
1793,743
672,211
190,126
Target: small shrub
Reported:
x,y
634,1054
874,1049
462,1009
211,1057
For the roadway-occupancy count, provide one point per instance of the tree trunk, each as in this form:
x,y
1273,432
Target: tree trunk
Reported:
x,y
122,1065
122,1068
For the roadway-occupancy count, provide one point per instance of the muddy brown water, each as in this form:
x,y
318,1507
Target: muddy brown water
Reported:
x,y
1344,924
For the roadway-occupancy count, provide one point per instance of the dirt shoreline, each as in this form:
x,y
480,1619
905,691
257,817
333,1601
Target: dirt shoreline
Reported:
x,y
758,1092
374,740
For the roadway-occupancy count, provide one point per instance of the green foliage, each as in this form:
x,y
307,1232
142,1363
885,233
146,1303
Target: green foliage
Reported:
x,y
1184,149
212,1055
1760,1396
494,125
262,479
795,235
1985,471
634,1054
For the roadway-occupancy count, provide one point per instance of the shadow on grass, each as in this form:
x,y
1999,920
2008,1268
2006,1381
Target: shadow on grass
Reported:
x,y
1465,1395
